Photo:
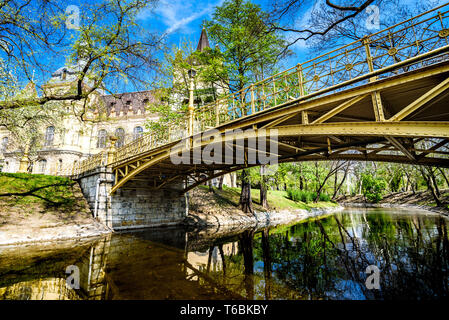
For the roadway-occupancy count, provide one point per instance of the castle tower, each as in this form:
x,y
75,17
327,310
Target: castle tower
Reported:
x,y
203,43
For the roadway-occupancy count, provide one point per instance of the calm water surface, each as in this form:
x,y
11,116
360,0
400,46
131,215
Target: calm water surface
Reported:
x,y
320,258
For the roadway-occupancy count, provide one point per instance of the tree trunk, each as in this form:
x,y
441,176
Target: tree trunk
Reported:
x,y
220,183
444,176
263,189
430,186
211,189
341,183
245,195
301,181
434,181
263,195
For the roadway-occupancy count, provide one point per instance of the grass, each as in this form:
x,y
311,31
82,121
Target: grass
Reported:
x,y
277,200
21,189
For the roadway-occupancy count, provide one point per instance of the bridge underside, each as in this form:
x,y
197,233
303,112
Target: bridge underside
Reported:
x,y
402,119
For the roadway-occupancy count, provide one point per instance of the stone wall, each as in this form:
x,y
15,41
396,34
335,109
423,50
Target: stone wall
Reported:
x,y
137,205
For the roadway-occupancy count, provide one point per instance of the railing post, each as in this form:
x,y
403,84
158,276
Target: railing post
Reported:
x,y
253,108
217,114
111,151
369,57
191,109
300,80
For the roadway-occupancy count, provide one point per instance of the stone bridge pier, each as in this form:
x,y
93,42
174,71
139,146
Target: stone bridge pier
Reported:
x,y
137,206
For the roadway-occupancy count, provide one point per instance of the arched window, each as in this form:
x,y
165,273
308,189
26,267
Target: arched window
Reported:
x,y
49,136
120,135
42,166
5,141
102,137
137,132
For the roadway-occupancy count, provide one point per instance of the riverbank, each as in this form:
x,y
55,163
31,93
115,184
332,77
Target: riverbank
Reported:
x,y
39,208
220,209
420,200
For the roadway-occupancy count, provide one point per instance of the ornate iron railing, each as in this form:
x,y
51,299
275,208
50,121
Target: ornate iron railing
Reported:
x,y
404,47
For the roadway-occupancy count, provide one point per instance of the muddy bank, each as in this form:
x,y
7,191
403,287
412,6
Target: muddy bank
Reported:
x,y
39,233
226,223
420,200
439,210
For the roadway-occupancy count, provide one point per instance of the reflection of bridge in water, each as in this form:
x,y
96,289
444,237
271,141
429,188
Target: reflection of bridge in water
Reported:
x,y
382,98
142,265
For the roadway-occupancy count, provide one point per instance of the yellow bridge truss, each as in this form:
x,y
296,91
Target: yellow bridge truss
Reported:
x,y
382,98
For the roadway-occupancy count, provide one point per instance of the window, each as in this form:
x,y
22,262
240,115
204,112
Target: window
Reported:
x,y
120,135
42,166
137,133
127,107
4,146
64,74
75,138
102,136
49,136
111,108
60,165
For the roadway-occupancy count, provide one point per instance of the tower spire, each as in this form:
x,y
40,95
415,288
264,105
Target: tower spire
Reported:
x,y
204,41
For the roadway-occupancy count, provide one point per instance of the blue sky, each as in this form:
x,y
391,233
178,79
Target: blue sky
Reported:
x,y
182,19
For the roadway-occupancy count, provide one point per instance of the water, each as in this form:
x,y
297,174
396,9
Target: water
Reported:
x,y
321,258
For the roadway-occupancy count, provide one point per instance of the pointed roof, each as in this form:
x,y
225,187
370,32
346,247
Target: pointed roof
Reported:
x,y
204,41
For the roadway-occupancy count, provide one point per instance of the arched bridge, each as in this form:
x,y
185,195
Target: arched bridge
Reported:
x,y
382,98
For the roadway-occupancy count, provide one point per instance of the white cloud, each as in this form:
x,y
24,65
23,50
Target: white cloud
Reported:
x,y
176,15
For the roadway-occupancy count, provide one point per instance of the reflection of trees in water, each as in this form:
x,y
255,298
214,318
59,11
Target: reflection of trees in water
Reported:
x,y
413,255
328,257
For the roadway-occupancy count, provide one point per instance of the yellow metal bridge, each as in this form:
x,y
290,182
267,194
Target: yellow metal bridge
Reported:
x,y
382,98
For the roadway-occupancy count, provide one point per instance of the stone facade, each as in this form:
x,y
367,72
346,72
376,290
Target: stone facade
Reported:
x,y
137,206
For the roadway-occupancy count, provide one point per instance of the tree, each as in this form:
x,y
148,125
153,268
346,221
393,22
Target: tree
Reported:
x,y
109,48
246,50
173,83
333,23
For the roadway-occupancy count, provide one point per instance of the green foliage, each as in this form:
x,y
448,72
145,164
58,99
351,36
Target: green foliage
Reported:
x,y
396,181
247,50
300,195
306,196
23,189
373,188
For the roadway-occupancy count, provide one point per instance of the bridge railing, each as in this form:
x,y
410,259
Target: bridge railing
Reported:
x,y
414,37
340,69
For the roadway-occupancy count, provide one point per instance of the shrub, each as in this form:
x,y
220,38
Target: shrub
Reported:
x,y
305,196
373,188
324,197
